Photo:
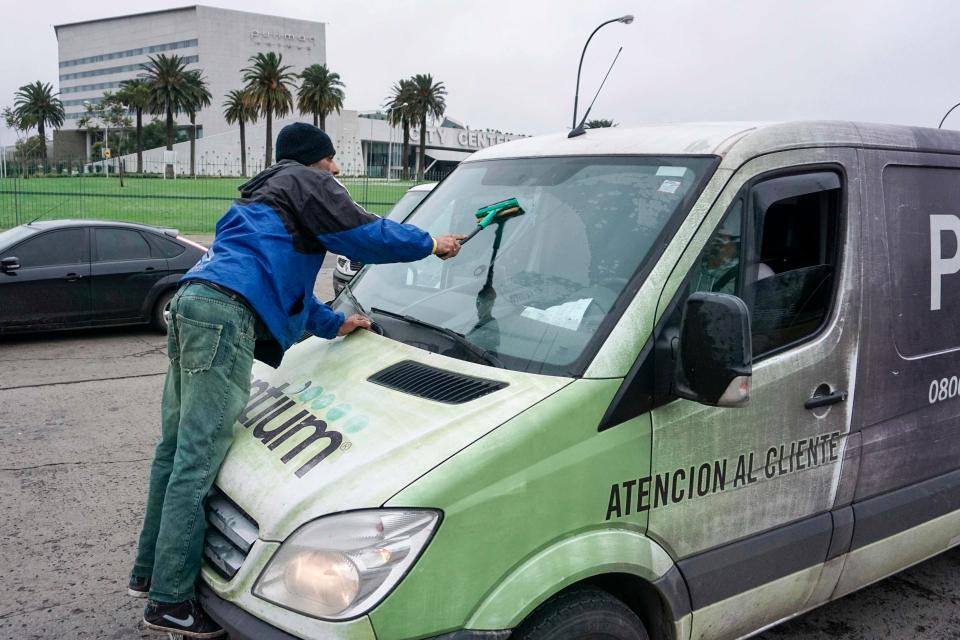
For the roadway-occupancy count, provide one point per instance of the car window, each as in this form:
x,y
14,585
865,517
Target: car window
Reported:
x,y
163,248
16,234
64,246
718,268
782,261
120,244
406,204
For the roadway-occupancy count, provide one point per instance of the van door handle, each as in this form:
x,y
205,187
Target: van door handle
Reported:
x,y
72,277
149,269
822,401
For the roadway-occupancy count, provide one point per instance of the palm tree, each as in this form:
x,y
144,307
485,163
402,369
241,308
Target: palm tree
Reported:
x,y
320,93
239,108
39,106
399,111
199,98
170,91
21,127
600,123
268,84
136,95
428,100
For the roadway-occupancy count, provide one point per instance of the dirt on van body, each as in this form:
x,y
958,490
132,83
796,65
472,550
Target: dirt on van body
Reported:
x,y
78,423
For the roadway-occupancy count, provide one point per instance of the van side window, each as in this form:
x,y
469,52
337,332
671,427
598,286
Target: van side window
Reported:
x,y
922,213
781,258
718,268
796,222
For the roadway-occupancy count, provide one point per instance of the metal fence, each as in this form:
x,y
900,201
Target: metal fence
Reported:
x,y
31,190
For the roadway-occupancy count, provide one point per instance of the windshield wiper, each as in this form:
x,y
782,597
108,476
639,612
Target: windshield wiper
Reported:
x,y
458,338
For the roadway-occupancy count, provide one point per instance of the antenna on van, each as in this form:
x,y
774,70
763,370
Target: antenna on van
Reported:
x,y
579,130
949,111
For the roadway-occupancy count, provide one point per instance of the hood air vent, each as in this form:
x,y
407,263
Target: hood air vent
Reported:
x,y
434,384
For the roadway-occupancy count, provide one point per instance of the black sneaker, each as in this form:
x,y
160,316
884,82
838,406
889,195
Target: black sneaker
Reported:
x,y
138,587
185,618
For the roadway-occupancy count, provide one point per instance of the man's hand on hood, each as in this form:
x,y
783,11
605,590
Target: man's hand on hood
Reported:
x,y
353,322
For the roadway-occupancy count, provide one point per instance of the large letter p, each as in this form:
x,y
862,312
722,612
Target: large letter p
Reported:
x,y
940,266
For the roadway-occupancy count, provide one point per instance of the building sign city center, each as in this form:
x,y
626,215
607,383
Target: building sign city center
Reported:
x,y
445,136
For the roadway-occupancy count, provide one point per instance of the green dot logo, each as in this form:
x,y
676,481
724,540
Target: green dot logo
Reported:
x,y
356,423
338,412
311,393
323,401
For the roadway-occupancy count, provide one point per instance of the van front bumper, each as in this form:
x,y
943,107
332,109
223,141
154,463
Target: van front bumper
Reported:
x,y
244,626
237,622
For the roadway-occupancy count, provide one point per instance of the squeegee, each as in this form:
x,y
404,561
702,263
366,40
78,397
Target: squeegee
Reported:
x,y
496,212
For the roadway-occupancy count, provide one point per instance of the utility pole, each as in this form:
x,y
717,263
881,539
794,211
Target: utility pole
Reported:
x,y
389,147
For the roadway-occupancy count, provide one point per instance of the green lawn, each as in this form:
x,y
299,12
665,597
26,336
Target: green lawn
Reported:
x,y
192,205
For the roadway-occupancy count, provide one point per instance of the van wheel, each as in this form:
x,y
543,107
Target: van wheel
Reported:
x,y
161,311
583,613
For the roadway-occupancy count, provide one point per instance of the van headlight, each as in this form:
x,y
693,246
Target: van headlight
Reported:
x,y
341,566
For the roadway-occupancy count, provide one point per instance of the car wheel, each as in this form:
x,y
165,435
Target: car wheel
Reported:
x,y
161,311
583,613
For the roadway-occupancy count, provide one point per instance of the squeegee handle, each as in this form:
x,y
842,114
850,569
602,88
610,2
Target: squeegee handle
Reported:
x,y
477,230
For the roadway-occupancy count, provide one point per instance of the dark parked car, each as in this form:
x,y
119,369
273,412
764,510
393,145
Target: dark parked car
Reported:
x,y
64,274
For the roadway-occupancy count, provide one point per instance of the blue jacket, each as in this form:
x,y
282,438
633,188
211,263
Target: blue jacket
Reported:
x,y
271,243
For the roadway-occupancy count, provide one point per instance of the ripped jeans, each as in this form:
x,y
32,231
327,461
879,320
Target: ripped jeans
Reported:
x,y
210,343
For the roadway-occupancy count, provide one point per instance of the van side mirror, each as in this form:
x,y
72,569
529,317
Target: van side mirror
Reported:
x,y
9,264
714,353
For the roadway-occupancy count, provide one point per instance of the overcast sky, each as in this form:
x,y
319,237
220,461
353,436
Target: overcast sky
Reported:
x,y
511,65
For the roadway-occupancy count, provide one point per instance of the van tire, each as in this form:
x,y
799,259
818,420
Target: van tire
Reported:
x,y
581,613
161,311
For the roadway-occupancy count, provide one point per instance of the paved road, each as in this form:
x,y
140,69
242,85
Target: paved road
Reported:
x,y
78,422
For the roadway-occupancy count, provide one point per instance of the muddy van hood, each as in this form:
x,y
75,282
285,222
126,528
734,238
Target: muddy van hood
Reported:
x,y
317,437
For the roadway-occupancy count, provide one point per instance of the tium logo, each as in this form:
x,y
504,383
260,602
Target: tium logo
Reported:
x,y
268,403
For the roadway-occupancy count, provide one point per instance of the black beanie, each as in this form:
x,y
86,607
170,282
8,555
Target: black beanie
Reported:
x,y
304,143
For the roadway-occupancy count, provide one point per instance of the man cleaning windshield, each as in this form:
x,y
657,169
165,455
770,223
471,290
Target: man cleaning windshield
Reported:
x,y
250,296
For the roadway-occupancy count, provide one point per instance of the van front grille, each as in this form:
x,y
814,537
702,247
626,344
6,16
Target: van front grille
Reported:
x,y
230,534
434,384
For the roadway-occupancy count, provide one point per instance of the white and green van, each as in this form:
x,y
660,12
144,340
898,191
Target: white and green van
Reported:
x,y
706,382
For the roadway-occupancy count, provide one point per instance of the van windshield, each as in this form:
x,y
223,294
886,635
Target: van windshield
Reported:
x,y
533,291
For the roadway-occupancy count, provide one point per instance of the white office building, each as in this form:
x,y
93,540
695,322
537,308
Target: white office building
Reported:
x,y
95,56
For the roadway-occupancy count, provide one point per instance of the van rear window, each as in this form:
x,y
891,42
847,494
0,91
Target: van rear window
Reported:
x,y
923,229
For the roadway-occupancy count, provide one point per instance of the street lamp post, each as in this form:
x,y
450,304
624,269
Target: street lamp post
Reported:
x,y
389,144
627,19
